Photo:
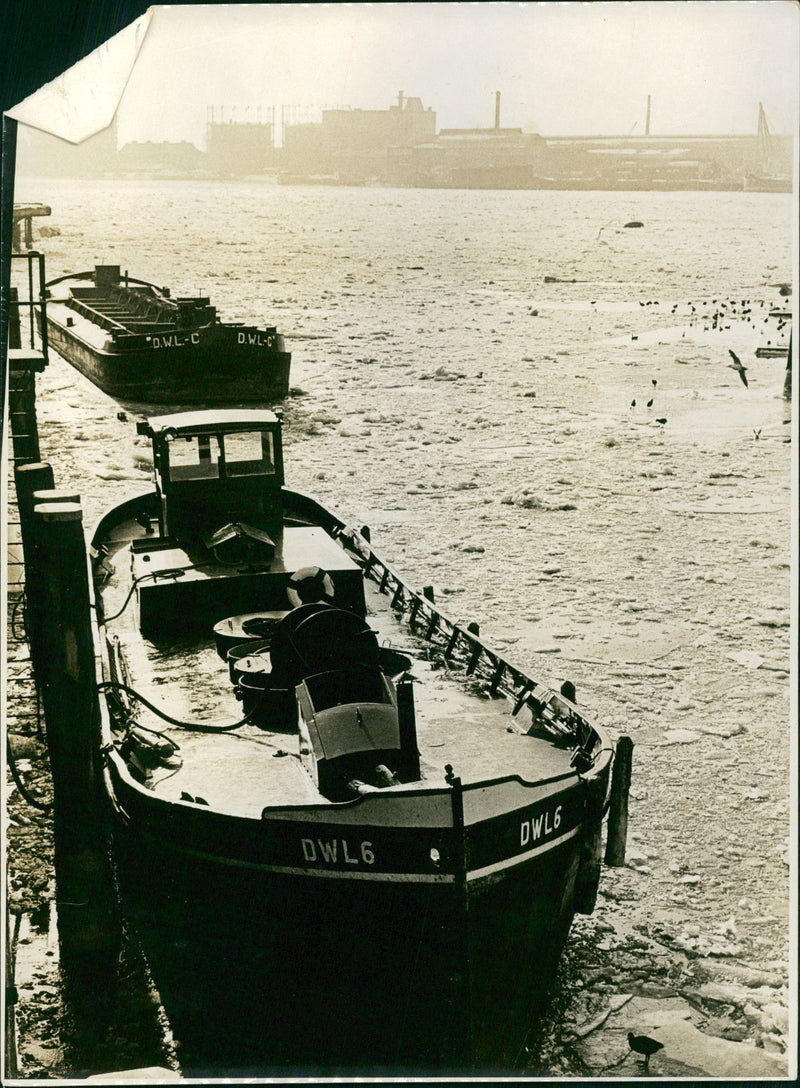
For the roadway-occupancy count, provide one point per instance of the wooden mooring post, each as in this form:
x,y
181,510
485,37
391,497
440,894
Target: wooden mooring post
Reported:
x,y
28,479
618,811
88,923
787,377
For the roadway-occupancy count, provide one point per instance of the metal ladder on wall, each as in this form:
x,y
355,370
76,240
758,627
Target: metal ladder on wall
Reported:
x,y
27,357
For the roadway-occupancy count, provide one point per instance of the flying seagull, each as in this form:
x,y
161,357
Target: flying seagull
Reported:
x,y
738,366
643,1044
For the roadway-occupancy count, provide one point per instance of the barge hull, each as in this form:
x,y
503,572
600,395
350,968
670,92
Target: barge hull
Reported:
x,y
325,975
189,374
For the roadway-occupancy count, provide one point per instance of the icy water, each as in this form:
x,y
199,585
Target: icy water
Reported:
x,y
465,367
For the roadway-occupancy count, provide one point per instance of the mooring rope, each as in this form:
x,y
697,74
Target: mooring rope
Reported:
x,y
19,605
171,572
43,806
200,727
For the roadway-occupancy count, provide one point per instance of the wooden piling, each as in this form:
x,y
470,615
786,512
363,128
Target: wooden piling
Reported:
x,y
14,327
787,378
587,879
28,480
11,1067
54,494
618,810
88,927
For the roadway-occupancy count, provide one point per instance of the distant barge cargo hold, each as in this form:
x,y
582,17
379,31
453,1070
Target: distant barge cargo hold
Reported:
x,y
140,345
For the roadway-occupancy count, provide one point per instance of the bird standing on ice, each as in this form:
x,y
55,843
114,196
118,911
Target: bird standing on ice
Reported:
x,y
643,1044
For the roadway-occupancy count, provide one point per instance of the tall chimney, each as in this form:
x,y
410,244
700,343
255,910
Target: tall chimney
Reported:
x,y
647,118
400,99
497,109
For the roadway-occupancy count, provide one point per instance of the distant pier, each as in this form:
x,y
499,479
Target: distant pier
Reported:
x,y
24,214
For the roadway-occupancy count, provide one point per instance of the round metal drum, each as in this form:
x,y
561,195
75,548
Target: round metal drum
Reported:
x,y
250,627
244,649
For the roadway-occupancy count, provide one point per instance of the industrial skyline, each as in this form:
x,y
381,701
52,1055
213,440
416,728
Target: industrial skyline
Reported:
x,y
403,146
282,116
562,69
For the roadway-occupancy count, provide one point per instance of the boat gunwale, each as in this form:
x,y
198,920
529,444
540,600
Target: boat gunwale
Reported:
x,y
118,344
233,858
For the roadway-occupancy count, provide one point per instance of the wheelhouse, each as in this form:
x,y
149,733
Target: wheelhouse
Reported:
x,y
214,468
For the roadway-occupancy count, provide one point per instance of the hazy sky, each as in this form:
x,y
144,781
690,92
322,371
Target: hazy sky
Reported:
x,y
561,68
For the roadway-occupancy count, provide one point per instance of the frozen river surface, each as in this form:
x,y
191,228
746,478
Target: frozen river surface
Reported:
x,y
531,407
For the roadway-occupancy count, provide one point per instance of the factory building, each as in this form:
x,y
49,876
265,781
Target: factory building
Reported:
x,y
236,148
355,144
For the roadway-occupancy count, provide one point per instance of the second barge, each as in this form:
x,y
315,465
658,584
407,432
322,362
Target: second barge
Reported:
x,y
141,346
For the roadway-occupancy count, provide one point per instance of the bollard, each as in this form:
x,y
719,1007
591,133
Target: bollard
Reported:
x,y
88,926
618,811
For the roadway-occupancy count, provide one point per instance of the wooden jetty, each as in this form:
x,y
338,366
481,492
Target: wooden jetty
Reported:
x,y
22,228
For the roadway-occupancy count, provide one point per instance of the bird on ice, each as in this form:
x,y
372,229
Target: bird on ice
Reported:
x,y
643,1044
738,366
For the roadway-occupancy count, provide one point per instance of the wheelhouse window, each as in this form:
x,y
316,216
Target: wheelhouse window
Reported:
x,y
194,457
249,453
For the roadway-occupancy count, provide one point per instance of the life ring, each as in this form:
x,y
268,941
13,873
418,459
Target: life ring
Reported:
x,y
308,585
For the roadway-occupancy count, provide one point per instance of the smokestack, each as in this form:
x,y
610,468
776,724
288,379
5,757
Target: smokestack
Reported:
x,y
400,99
647,118
497,109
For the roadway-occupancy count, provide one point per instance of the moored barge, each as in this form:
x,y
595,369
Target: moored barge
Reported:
x,y
142,346
359,840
